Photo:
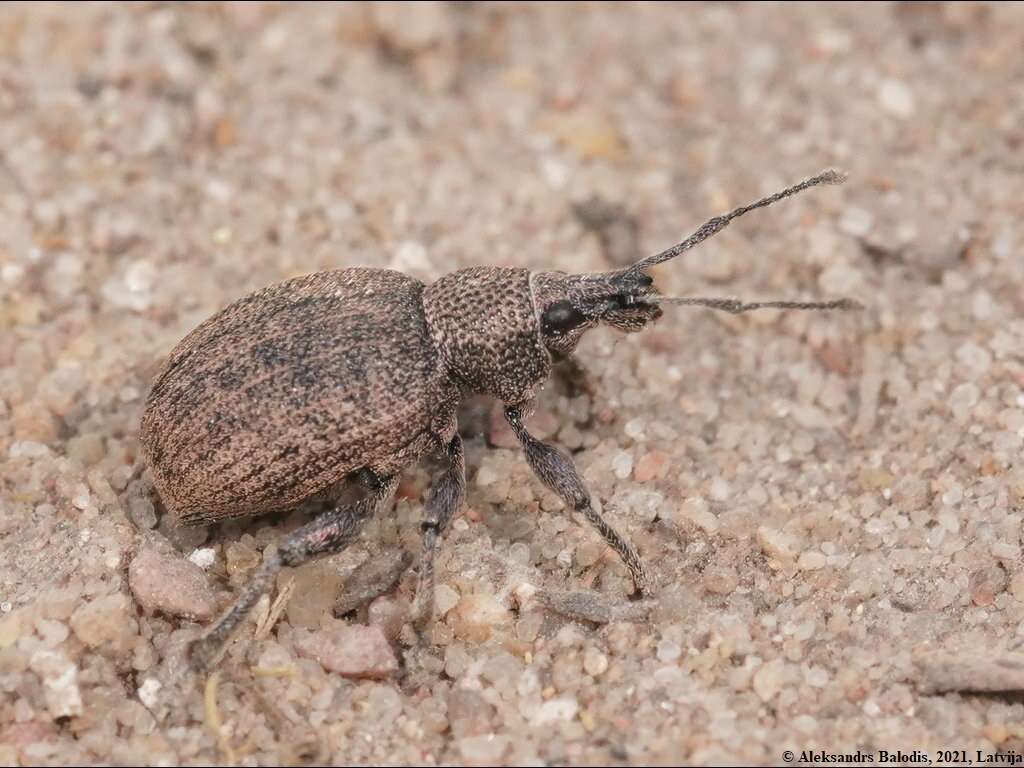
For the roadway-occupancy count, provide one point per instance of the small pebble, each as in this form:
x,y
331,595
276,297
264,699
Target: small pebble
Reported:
x,y
595,663
953,496
555,710
389,614
163,581
445,598
811,561
622,464
695,510
317,585
143,513
204,557
720,490
349,650
106,620
777,544
60,682
896,98
469,713
769,679
240,557
721,580
650,466
27,449
483,750
856,222
475,616
149,692
668,651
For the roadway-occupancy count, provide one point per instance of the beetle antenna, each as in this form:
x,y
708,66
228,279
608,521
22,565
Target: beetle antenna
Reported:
x,y
715,225
736,307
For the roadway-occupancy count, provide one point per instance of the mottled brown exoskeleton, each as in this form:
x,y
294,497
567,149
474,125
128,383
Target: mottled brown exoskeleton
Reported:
x,y
353,374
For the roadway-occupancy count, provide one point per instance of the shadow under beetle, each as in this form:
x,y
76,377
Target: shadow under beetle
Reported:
x,y
354,374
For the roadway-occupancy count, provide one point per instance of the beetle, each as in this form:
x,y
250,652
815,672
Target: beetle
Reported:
x,y
349,376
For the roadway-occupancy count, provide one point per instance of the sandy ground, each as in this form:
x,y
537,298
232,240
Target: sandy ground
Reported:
x,y
832,503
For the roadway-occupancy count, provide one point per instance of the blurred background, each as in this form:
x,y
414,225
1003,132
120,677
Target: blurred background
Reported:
x,y
825,496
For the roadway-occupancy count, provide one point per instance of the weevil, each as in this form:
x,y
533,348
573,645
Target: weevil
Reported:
x,y
349,376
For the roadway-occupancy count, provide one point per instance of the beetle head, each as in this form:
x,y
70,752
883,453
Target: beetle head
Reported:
x,y
570,305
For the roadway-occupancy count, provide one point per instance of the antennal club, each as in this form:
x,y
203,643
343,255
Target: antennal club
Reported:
x,y
715,225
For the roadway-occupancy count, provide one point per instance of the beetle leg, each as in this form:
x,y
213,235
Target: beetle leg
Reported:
x,y
557,471
330,532
446,496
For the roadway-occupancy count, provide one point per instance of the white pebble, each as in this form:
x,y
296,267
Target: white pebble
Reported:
x,y
816,677
622,464
834,40
219,190
962,399
805,631
556,710
975,358
777,544
556,174
520,553
1004,550
811,561
668,651
485,476
1002,245
805,724
564,558
720,490
484,749
203,557
840,279
856,222
595,663
769,678
695,509
635,429
60,682
877,526
445,598
148,692
81,497
896,98
982,305
948,520
28,449
953,496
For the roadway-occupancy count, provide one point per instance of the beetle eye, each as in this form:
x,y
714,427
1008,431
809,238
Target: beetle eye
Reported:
x,y
560,318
